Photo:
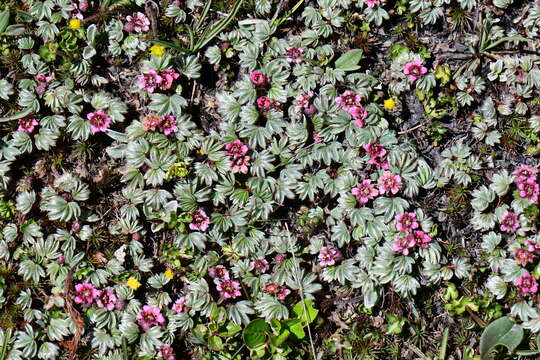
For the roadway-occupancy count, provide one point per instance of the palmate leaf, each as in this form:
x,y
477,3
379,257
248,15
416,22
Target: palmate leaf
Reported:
x,y
269,307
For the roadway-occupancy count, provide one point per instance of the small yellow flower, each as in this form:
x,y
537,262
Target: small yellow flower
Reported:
x,y
133,283
169,273
157,50
74,24
389,104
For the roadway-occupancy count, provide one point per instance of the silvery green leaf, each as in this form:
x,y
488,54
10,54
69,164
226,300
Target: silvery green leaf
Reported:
x,y
497,286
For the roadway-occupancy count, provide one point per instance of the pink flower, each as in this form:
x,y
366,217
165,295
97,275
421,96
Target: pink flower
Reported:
x,y
328,256
527,283
316,137
294,55
78,8
166,352
510,222
260,265
27,124
532,246
280,258
406,222
365,191
349,100
236,148
240,164
106,299
229,289
168,125
282,293
152,122
529,189
523,257
219,272
414,69
137,22
99,121
168,76
86,294
389,182
200,220
150,316
420,238
377,153
149,81
264,103
257,78
524,173
42,80
403,245
179,306
303,103
358,113
372,3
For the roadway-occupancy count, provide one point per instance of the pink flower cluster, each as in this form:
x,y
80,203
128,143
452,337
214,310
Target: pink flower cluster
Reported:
x,y
228,289
372,3
260,265
258,78
78,9
365,191
294,55
42,81
137,22
526,182
510,222
179,306
150,316
99,121
414,70
328,256
407,224
237,151
87,295
166,352
152,80
527,284
200,220
265,103
166,124
280,292
350,102
27,124
377,154
303,103
388,183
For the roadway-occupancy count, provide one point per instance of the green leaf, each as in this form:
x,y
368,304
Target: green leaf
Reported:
x,y
349,61
4,20
503,331
215,343
296,327
255,333
307,313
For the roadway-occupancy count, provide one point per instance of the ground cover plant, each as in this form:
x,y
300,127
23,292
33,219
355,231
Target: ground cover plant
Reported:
x,y
262,179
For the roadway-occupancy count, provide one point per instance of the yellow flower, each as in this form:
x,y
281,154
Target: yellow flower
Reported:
x,y
389,104
74,24
169,273
157,50
133,283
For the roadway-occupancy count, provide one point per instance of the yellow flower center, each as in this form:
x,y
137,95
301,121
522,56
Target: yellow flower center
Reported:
x,y
74,24
389,104
157,50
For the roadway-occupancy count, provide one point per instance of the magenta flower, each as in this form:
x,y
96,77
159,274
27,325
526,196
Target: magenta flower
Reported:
x,y
166,352
280,258
77,9
529,189
179,306
264,103
406,222
294,55
358,113
328,256
219,272
260,265
510,222
27,124
168,125
240,164
99,121
389,182
150,81
316,137
42,80
167,76
414,70
372,3
150,316
303,103
137,22
348,100
403,245
236,148
527,284
420,238
106,299
532,246
523,257
525,173
257,78
85,294
200,220
229,289
365,191
377,153
282,293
